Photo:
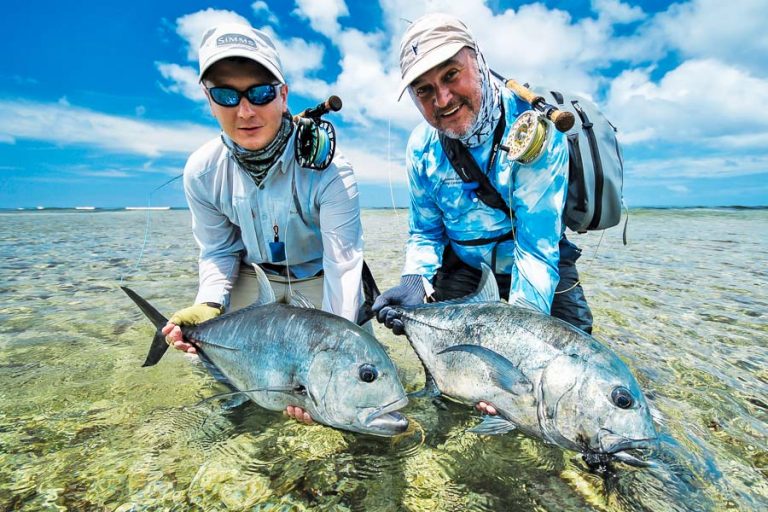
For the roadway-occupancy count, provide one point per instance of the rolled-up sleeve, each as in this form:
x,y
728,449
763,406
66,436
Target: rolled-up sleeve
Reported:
x,y
342,234
427,238
219,240
538,202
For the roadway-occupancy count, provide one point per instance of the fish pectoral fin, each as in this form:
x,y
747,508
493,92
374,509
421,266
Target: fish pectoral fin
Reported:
x,y
293,390
430,389
493,425
504,373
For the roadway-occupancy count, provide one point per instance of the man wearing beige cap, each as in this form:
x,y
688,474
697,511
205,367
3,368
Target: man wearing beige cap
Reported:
x,y
451,231
252,203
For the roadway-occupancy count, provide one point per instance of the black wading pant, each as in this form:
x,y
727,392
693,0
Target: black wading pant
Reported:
x,y
456,279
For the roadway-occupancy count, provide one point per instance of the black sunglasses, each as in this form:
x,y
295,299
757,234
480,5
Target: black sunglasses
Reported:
x,y
257,95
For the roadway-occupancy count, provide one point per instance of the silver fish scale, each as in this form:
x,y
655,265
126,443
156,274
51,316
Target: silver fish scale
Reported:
x,y
546,358
275,339
280,355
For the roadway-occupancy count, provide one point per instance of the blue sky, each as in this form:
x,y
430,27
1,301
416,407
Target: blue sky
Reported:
x,y
99,103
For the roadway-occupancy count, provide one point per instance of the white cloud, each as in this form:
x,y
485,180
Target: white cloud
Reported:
x,y
565,52
366,87
617,11
533,43
298,57
693,103
373,168
107,173
730,31
678,189
24,80
183,80
546,47
262,10
323,15
63,124
691,167
191,27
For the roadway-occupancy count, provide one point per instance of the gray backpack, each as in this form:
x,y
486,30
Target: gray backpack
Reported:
x,y
595,165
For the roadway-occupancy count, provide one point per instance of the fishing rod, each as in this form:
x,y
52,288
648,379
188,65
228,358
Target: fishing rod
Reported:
x,y
563,120
332,104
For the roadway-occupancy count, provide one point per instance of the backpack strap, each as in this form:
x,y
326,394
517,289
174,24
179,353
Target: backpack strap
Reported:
x,y
469,171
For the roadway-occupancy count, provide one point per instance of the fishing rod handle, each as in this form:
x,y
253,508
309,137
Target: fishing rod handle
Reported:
x,y
562,119
332,104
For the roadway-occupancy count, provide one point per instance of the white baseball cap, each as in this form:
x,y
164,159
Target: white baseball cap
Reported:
x,y
238,40
430,40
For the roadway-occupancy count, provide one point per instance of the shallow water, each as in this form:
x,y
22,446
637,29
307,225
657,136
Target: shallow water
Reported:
x,y
84,427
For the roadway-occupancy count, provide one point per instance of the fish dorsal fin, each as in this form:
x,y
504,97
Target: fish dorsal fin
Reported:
x,y
487,290
300,300
266,294
522,303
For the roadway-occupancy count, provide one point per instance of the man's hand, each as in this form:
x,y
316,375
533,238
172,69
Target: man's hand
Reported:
x,y
299,414
409,292
193,315
486,408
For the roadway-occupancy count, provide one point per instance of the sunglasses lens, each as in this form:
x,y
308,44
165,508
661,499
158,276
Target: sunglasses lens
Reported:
x,y
262,94
225,96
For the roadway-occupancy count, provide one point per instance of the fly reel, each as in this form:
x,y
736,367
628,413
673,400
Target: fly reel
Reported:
x,y
316,137
527,137
315,143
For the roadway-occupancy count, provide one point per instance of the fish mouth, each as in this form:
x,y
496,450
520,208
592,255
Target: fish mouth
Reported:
x,y
385,420
617,447
613,443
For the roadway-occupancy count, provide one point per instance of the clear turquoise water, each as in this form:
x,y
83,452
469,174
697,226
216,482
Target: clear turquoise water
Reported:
x,y
84,427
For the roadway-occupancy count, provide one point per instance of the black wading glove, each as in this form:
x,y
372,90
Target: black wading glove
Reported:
x,y
410,292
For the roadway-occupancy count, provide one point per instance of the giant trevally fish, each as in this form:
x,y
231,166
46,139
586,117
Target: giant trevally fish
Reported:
x,y
545,377
293,354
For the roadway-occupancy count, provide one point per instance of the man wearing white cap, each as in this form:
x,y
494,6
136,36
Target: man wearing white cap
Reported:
x,y
451,231
252,203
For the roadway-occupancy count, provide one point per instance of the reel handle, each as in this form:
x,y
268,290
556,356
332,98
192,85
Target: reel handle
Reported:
x,y
332,104
563,120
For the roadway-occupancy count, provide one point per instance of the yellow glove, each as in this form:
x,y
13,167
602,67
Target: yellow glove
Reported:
x,y
196,314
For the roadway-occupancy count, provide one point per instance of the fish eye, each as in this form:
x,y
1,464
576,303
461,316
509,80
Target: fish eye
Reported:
x,y
622,398
368,373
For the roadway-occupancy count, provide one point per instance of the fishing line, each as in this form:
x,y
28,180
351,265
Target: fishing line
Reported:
x,y
147,228
587,265
287,265
528,147
389,167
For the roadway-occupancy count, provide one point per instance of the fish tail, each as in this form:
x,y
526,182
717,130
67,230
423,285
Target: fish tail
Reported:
x,y
370,294
159,346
